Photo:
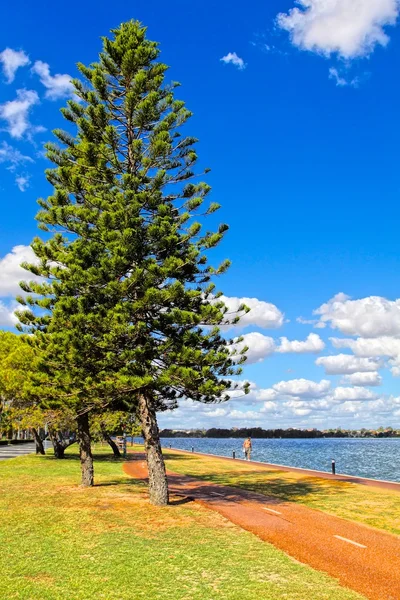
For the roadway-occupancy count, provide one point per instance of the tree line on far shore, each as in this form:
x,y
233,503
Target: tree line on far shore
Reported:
x,y
259,432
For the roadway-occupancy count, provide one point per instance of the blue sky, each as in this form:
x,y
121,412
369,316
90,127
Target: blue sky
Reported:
x,y
297,111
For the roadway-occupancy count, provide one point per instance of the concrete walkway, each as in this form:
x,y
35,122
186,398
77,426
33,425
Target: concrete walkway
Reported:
x,y
15,450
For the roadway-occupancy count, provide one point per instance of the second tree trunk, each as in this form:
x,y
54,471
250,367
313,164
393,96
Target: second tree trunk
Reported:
x,y
111,443
85,450
38,441
158,485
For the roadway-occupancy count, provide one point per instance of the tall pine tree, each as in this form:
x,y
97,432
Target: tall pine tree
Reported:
x,y
128,311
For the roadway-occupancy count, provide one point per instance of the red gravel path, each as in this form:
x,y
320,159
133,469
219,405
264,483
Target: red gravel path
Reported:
x,y
305,534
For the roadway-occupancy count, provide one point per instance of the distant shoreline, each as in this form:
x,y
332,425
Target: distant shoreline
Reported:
x,y
259,433
326,437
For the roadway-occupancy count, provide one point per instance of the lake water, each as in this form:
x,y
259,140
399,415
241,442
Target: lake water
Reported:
x,y
374,458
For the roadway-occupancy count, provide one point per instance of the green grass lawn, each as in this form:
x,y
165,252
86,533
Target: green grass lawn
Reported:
x,y
368,505
59,541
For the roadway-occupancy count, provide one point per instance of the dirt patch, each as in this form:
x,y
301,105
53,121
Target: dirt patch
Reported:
x,y
40,578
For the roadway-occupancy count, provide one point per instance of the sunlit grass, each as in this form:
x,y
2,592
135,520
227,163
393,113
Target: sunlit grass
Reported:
x,y
371,506
60,541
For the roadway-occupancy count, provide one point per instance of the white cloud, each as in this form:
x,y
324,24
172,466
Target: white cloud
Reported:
x,y
234,59
334,74
348,28
262,314
318,405
367,378
303,388
304,321
11,155
374,347
11,61
284,410
301,412
346,364
352,408
379,346
341,81
269,407
7,317
11,273
312,344
323,404
395,400
265,394
58,86
395,364
22,182
260,346
369,317
216,413
255,394
328,402
16,112
243,416
370,409
344,394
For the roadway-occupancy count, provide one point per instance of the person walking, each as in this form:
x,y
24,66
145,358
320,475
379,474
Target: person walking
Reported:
x,y
247,448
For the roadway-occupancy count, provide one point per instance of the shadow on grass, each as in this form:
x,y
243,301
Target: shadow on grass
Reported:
x,y
179,457
110,481
125,482
184,500
269,483
266,482
281,488
96,457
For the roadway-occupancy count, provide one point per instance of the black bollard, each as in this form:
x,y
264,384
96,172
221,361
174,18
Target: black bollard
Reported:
x,y
333,467
233,454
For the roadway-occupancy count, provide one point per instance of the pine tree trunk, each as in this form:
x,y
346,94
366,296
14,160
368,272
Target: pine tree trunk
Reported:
x,y
113,445
158,485
85,450
58,447
38,442
59,450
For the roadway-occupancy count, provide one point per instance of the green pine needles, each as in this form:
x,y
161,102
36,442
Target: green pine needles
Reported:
x,y
127,310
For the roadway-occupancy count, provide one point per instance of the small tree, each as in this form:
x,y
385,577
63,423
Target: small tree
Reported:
x,y
108,423
131,312
17,361
61,425
29,418
25,402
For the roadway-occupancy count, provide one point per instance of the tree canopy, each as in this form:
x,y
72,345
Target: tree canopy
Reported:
x,y
127,310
